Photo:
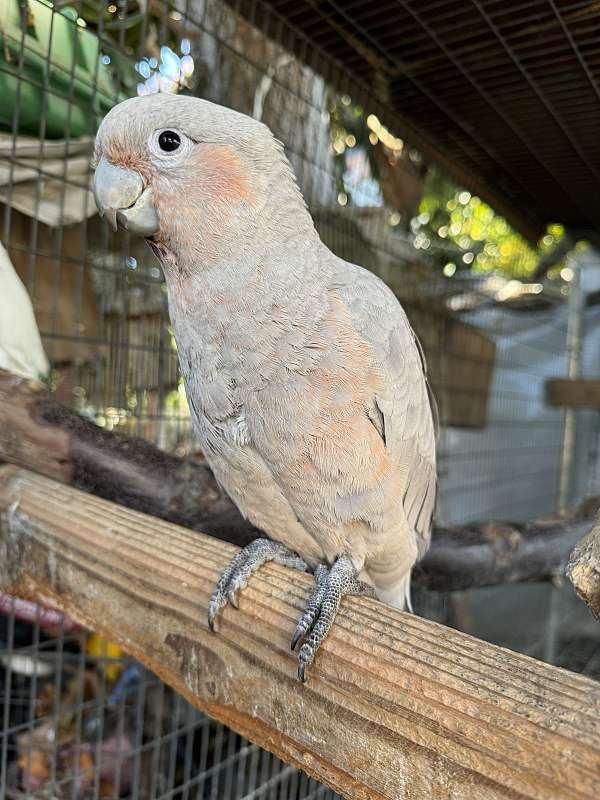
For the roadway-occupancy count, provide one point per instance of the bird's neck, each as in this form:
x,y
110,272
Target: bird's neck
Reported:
x,y
257,257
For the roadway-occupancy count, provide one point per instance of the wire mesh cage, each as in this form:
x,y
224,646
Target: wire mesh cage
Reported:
x,y
101,308
80,720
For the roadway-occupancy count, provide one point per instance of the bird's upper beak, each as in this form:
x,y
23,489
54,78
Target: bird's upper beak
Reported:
x,y
121,197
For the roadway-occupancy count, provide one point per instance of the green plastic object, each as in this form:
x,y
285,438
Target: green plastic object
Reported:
x,y
51,72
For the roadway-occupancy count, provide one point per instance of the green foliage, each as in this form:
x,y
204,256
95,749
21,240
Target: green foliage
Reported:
x,y
464,233
455,230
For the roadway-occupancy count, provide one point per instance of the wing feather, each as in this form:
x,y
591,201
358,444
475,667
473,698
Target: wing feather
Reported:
x,y
404,410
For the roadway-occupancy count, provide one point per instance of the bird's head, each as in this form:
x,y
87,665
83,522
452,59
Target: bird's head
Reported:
x,y
178,170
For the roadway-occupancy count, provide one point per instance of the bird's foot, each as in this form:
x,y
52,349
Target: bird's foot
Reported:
x,y
330,586
248,560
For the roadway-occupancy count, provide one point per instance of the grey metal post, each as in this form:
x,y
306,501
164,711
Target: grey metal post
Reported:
x,y
574,346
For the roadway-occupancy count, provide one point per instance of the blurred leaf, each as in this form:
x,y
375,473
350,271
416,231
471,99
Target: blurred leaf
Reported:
x,y
124,23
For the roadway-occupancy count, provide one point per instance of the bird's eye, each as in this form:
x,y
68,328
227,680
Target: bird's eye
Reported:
x,y
169,141
168,147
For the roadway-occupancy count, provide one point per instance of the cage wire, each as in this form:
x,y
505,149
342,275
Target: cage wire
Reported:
x,y
76,724
80,725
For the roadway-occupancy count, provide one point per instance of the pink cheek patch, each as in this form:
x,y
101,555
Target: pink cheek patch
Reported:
x,y
221,174
196,200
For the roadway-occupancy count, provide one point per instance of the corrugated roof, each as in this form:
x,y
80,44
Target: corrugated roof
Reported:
x,y
504,95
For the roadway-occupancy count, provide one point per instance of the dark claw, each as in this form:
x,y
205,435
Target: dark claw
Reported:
x,y
321,609
298,634
242,566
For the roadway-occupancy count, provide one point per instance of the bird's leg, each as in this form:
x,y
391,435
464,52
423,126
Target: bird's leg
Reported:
x,y
331,586
241,566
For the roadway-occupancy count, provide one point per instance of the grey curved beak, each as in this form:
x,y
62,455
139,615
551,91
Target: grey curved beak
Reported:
x,y
121,198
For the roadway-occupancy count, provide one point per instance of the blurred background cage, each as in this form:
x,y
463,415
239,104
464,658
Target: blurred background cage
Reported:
x,y
494,322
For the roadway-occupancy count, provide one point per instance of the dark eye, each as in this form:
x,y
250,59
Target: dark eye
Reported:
x,y
169,141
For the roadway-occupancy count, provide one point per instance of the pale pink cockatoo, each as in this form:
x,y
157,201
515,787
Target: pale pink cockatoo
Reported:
x,y
305,381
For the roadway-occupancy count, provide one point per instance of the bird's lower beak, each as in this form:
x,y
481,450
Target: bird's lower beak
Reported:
x,y
121,198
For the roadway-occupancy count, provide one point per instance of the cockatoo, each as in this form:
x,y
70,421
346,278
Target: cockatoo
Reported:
x,y
305,381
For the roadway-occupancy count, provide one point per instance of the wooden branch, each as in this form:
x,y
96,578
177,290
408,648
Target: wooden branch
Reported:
x,y
46,437
490,553
583,570
55,441
573,393
395,706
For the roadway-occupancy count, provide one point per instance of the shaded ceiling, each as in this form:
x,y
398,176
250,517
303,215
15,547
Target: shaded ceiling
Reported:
x,y
503,95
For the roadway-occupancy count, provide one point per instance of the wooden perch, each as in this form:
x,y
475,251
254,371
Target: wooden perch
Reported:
x,y
395,707
583,570
55,441
573,392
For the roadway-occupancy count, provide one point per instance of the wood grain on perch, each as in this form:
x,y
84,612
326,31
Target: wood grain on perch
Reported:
x,y
39,434
396,706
